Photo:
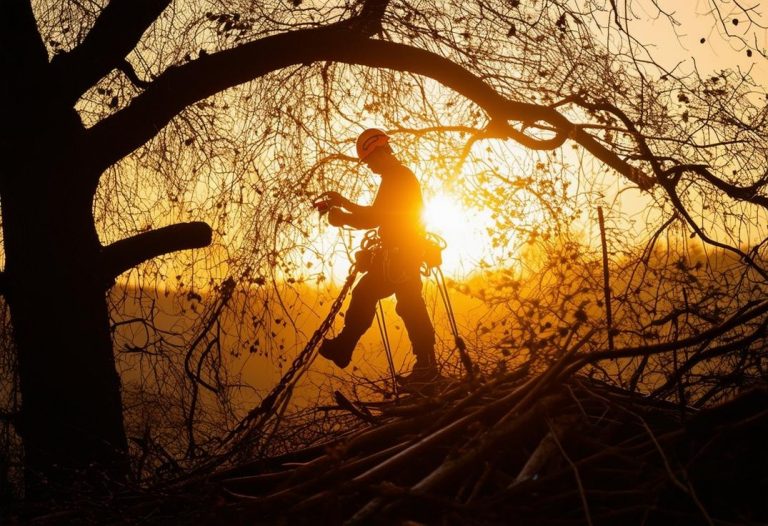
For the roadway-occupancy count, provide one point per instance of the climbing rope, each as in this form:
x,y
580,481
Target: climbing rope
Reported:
x,y
279,394
433,260
458,340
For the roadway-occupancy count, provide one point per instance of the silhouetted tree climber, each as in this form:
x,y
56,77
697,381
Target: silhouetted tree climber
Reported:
x,y
394,266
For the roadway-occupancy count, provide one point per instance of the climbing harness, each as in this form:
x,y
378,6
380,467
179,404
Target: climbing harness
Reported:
x,y
433,253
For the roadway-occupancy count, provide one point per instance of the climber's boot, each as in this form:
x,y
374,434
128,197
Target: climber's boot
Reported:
x,y
338,350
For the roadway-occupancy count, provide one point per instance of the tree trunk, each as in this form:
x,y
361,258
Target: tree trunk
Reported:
x,y
71,421
72,415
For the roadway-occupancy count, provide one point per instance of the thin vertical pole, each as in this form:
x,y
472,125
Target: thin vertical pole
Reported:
x,y
606,279
387,349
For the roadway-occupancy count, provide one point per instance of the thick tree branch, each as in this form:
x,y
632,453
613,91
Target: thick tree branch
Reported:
x,y
645,150
127,253
177,88
129,72
116,32
741,193
23,57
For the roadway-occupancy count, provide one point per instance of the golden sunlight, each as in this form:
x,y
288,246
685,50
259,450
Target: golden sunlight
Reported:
x,y
463,229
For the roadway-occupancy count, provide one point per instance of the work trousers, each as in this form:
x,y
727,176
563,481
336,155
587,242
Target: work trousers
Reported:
x,y
388,275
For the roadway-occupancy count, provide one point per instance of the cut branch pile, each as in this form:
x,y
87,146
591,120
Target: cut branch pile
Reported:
x,y
510,449
523,451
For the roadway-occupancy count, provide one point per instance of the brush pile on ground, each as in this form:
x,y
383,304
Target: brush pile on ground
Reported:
x,y
513,449
554,448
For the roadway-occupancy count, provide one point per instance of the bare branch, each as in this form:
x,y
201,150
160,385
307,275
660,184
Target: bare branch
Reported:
x,y
116,32
127,253
709,354
179,87
743,316
129,72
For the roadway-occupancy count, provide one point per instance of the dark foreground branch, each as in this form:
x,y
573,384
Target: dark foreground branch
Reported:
x,y
127,253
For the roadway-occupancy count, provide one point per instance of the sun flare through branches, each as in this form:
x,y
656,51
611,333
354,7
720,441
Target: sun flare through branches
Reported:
x,y
465,231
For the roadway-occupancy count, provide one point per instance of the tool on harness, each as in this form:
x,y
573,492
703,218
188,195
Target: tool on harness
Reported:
x,y
370,246
433,253
322,205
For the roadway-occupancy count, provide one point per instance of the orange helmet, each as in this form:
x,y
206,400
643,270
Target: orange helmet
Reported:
x,y
369,140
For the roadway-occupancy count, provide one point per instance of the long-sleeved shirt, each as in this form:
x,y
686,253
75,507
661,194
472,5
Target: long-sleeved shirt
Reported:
x,y
396,210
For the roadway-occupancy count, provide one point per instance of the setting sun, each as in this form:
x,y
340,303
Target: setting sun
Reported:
x,y
462,228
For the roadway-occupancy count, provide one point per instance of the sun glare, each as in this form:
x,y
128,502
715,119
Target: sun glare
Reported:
x,y
462,229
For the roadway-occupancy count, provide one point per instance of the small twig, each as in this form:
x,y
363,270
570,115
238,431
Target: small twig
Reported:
x,y
488,469
279,415
576,475
345,403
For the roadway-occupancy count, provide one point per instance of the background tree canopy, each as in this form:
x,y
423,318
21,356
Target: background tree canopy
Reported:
x,y
131,125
